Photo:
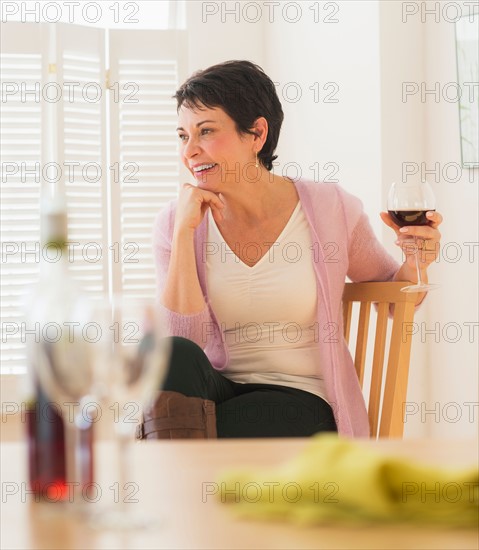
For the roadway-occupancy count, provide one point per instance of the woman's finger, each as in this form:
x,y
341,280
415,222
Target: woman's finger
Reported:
x,y
204,196
421,231
435,218
386,218
408,246
427,250
420,244
217,214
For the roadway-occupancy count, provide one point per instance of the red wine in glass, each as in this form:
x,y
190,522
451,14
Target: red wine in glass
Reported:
x,y
408,203
409,217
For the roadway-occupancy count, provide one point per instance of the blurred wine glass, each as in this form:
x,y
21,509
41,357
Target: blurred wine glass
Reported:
x,y
134,363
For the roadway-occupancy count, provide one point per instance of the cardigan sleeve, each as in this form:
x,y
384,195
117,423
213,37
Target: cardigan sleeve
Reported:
x,y
191,326
368,259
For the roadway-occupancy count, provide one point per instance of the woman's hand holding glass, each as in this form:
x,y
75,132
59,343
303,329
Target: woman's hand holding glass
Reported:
x,y
428,239
412,215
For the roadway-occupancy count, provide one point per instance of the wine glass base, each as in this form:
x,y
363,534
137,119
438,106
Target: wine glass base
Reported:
x,y
419,288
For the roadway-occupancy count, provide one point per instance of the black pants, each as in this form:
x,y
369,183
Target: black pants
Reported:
x,y
246,410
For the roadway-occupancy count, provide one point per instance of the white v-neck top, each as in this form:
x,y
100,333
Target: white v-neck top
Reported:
x,y
268,312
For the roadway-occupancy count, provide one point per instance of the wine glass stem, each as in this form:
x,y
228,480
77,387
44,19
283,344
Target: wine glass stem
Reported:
x,y
74,472
79,460
123,466
70,446
416,256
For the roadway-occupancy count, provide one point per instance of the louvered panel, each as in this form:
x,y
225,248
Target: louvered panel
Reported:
x,y
24,206
152,116
78,186
83,143
165,189
135,142
21,143
136,125
145,134
146,140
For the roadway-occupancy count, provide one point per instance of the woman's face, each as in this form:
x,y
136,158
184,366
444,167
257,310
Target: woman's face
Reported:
x,y
212,149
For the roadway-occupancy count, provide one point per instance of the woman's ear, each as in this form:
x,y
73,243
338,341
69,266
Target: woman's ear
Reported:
x,y
260,129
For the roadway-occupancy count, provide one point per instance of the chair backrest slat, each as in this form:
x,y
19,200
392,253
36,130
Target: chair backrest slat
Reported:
x,y
389,417
347,312
377,368
362,340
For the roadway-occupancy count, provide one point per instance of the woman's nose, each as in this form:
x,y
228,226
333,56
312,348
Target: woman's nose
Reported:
x,y
191,148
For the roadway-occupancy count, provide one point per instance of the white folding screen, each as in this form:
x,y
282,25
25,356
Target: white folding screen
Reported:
x,y
111,145
145,71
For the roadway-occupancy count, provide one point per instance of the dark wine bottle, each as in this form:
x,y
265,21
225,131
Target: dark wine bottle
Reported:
x,y
46,448
56,462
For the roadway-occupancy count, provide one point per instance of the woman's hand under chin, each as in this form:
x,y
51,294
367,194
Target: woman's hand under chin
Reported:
x,y
193,202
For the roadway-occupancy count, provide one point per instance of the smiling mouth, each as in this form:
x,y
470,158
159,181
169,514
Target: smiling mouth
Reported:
x,y
203,169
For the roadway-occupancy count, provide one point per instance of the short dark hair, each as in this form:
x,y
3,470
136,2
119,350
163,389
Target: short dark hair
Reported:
x,y
245,92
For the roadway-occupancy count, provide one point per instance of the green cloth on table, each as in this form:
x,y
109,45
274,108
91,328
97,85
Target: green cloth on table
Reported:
x,y
342,480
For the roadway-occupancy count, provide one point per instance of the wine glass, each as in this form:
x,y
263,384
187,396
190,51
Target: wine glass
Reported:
x,y
135,360
408,203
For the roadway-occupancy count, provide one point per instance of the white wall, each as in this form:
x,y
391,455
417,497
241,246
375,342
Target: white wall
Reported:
x,y
403,140
297,56
346,132
420,49
217,37
453,366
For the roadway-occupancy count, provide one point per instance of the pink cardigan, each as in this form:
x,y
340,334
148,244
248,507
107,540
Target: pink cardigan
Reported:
x,y
343,245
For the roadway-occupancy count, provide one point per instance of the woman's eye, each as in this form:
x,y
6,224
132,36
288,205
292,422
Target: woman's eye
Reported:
x,y
204,131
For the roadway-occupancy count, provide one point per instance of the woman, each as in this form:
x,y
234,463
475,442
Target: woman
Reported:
x,y
251,268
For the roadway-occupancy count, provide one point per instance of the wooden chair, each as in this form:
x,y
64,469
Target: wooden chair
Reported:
x,y
395,388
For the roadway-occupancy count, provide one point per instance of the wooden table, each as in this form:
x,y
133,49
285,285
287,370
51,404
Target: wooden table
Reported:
x,y
172,478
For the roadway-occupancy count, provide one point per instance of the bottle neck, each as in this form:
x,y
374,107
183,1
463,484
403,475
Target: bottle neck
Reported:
x,y
54,235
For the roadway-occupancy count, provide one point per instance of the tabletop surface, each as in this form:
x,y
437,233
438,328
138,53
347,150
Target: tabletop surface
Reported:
x,y
173,483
